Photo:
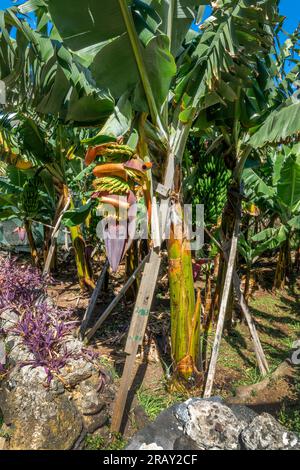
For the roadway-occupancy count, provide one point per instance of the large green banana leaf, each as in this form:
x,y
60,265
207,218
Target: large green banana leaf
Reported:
x,y
280,125
98,33
257,184
288,186
61,85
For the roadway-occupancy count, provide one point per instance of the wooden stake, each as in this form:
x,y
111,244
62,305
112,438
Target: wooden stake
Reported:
x,y
143,304
117,299
260,355
259,352
136,335
54,237
222,311
91,306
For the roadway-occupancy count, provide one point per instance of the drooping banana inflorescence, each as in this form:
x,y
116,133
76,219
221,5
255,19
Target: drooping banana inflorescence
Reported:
x,y
120,179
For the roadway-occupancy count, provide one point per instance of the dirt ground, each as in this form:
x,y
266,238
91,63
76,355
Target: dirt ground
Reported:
x,y
277,318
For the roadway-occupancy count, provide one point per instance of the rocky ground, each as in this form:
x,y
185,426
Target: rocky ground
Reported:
x,y
199,424
88,408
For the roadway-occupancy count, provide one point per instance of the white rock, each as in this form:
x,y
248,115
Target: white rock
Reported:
x,y
152,446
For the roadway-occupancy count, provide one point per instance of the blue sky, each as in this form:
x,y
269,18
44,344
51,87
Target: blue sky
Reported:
x,y
289,8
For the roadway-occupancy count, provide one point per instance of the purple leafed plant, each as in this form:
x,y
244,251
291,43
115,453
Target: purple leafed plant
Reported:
x,y
43,331
20,286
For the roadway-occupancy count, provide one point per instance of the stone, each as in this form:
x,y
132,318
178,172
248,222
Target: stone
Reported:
x,y
55,417
76,371
212,425
265,433
38,419
95,422
152,446
8,319
185,443
163,432
2,443
243,413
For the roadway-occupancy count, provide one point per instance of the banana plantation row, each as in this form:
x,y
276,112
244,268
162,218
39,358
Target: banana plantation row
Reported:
x,y
122,103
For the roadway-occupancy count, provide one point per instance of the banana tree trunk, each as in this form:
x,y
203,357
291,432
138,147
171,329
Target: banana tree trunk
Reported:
x,y
132,262
284,263
31,241
185,312
84,270
249,283
297,261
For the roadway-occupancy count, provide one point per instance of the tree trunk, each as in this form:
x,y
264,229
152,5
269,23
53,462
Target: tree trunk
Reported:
x,y
84,270
216,265
185,313
31,241
284,263
132,262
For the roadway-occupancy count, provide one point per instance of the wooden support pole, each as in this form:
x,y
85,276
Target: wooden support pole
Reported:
x,y
117,299
143,303
136,335
259,352
53,239
222,311
91,306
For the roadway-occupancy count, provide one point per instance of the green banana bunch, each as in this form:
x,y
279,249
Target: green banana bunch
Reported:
x,y
208,183
111,152
30,197
113,185
118,153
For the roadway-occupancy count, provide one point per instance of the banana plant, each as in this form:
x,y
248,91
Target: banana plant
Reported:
x,y
50,148
249,115
26,200
164,79
281,196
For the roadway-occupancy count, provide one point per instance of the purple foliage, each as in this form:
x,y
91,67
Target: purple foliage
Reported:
x,y
20,286
43,330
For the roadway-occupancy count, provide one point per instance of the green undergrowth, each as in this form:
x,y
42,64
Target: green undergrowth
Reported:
x,y
290,418
97,442
277,318
155,401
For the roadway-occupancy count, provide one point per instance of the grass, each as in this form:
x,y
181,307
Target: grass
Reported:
x,y
277,318
108,364
155,401
97,442
252,376
290,418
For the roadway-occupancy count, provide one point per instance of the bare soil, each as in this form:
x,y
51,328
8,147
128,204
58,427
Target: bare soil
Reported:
x,y
277,318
